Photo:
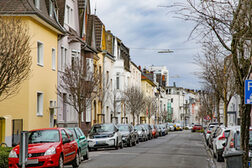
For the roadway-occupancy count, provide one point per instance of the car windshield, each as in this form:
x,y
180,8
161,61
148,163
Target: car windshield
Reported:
x,y
139,128
123,127
102,128
43,136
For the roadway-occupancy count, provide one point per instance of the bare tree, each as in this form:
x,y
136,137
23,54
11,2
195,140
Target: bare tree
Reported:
x,y
163,115
15,55
218,73
151,107
230,23
82,84
134,100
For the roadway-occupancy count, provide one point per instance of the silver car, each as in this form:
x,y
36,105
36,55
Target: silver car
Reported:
x,y
142,133
104,136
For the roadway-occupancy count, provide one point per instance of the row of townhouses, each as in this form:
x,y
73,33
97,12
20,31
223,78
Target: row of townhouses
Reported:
x,y
64,33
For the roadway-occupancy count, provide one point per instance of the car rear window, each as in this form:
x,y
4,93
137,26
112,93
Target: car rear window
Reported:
x,y
43,136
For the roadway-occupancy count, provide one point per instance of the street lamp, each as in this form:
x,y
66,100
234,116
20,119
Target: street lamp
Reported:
x,y
165,51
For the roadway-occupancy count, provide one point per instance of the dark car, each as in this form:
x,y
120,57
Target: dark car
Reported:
x,y
49,147
149,130
81,140
129,136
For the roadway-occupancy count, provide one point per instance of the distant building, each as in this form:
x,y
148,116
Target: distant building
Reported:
x,y
159,74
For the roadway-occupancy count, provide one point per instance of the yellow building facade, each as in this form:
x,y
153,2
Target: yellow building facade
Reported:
x,y
147,87
34,105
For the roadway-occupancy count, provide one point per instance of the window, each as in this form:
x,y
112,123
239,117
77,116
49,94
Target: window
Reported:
x,y
63,54
39,104
74,59
67,14
40,53
50,8
53,59
117,82
37,4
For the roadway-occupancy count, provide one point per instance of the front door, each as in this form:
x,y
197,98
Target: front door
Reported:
x,y
2,131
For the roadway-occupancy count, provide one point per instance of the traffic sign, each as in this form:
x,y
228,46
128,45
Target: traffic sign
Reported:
x,y
248,91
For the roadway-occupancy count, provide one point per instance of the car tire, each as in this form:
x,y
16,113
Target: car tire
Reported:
x,y
138,141
134,143
76,162
86,157
121,144
219,158
61,162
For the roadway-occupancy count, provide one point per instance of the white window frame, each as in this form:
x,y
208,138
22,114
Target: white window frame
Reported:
x,y
53,59
40,53
40,103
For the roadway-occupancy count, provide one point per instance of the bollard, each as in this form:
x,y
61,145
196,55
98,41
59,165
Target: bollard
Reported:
x,y
23,148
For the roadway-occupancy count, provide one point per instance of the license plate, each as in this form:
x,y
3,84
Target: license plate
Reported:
x,y
249,164
32,161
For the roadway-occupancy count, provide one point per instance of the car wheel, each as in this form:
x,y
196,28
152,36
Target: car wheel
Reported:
x,y
137,141
61,162
121,146
219,158
86,157
76,162
134,143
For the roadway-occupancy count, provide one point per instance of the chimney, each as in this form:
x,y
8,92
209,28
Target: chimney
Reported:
x,y
174,84
139,67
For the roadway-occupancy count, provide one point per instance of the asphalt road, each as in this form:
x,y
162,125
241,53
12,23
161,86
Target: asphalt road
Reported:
x,y
175,150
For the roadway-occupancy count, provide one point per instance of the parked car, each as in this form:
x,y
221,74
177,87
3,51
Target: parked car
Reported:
x,y
222,134
212,136
149,130
178,127
171,125
48,147
81,139
141,133
159,132
197,127
104,136
128,134
208,132
166,127
154,131
162,128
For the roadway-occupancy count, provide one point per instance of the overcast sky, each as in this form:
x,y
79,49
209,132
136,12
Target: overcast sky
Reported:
x,y
143,24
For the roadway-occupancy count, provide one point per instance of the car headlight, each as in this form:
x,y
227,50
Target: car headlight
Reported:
x,y
13,154
50,151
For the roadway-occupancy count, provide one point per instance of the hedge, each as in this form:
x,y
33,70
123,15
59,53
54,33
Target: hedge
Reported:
x,y
4,154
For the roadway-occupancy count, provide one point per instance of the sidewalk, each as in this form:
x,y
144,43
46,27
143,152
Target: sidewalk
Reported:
x,y
212,161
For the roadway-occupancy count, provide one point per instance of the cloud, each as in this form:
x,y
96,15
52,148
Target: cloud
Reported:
x,y
142,24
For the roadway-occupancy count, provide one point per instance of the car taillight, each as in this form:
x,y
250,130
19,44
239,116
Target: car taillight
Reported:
x,y
222,137
231,143
209,132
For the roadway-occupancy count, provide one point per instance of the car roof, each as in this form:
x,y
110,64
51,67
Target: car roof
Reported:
x,y
40,129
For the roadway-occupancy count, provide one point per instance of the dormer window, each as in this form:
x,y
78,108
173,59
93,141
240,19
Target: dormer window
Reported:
x,y
37,4
50,8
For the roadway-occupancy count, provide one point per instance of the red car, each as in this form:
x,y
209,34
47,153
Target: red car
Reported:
x,y
50,147
197,127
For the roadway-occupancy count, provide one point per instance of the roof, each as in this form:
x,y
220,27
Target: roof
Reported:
x,y
27,8
143,77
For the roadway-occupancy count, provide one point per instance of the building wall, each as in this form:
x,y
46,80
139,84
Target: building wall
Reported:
x,y
42,79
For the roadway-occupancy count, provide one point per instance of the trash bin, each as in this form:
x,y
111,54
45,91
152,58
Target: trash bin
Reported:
x,y
233,159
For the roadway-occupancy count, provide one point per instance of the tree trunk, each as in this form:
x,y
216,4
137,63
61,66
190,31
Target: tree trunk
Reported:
x,y
133,114
218,110
79,117
138,119
225,113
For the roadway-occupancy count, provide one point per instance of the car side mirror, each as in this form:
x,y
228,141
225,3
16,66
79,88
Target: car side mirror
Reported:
x,y
82,137
116,130
224,144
